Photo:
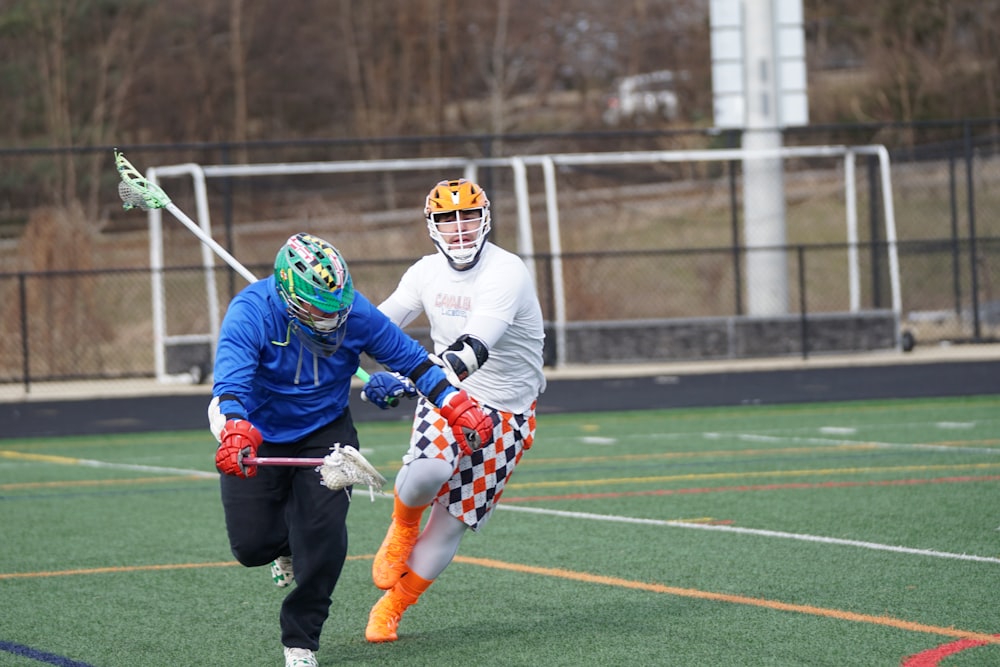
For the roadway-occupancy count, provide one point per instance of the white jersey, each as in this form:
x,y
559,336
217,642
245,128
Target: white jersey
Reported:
x,y
494,301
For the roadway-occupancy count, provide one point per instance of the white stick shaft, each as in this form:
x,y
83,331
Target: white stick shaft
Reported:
x,y
231,261
210,242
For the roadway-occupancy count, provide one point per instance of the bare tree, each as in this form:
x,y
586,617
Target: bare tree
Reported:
x,y
921,59
237,63
85,63
240,70
48,24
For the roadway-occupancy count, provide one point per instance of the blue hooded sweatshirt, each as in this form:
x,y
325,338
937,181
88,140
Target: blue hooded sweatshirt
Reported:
x,y
263,372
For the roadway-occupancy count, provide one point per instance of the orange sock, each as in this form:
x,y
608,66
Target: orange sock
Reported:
x,y
411,586
405,513
404,531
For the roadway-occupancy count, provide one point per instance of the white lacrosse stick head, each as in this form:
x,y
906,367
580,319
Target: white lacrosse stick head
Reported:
x,y
346,466
134,190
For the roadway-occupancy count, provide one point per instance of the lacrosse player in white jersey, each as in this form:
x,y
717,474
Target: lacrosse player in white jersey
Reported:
x,y
287,350
487,328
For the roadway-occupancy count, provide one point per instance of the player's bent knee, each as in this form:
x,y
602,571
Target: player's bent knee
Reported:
x,y
419,482
252,555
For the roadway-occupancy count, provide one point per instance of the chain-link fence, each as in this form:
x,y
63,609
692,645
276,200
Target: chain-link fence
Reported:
x,y
652,258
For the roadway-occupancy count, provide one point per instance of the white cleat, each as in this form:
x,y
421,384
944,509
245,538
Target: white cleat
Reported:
x,y
300,657
281,571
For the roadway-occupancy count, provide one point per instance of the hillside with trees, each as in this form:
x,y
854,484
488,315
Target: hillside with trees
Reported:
x,y
92,72
95,73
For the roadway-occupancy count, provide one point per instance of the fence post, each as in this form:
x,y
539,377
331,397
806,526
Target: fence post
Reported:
x,y
973,250
803,316
873,215
22,293
735,234
956,240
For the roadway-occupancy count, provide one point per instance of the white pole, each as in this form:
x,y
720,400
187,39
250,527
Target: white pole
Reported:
x,y
555,244
890,237
525,243
156,285
763,178
853,272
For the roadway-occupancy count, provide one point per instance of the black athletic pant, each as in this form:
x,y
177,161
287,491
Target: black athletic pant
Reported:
x,y
286,511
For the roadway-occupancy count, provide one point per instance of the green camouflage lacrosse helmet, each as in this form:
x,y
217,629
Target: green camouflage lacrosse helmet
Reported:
x,y
313,281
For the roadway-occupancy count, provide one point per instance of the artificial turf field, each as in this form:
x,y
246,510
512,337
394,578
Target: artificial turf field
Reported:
x,y
861,533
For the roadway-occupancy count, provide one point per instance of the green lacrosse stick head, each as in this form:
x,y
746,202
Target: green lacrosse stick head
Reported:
x,y
135,190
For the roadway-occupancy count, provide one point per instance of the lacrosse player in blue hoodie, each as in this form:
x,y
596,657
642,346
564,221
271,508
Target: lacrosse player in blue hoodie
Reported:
x,y
287,350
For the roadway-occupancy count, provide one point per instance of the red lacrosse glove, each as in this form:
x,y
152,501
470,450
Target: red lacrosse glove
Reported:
x,y
239,438
472,428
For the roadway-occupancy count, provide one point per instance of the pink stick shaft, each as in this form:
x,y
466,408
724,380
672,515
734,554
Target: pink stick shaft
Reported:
x,y
280,461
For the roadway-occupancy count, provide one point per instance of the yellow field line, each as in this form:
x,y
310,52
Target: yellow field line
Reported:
x,y
748,474
46,458
98,482
132,568
838,614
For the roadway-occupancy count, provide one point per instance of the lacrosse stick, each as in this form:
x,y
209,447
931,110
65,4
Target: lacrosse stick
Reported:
x,y
137,191
342,467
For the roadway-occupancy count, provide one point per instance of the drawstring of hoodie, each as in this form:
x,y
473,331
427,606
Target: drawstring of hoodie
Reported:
x,y
298,366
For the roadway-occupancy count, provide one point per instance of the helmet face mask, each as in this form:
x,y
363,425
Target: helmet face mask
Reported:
x,y
314,318
323,344
313,282
458,220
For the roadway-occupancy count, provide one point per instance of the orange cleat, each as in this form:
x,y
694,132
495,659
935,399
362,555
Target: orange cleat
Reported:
x,y
384,618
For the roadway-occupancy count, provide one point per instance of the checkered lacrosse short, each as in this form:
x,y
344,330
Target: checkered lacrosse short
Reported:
x,y
475,487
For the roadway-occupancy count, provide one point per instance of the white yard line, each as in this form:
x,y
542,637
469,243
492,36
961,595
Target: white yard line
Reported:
x,y
91,463
874,546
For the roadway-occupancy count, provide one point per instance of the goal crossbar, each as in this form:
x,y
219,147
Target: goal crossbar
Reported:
x,y
519,166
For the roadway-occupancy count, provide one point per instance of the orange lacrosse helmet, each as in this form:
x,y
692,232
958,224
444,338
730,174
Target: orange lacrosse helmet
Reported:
x,y
458,219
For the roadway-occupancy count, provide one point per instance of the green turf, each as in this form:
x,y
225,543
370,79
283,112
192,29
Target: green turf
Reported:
x,y
618,544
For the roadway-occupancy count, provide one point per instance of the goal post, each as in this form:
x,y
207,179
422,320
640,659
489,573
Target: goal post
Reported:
x,y
194,351
847,153
186,358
